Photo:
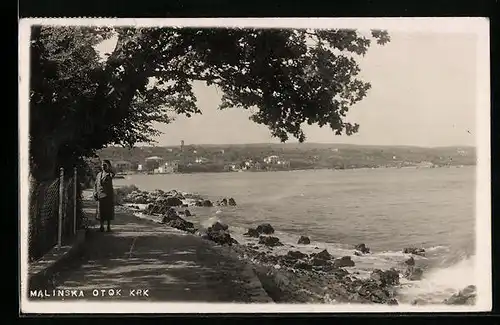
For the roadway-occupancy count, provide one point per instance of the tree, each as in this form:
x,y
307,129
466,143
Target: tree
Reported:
x,y
79,103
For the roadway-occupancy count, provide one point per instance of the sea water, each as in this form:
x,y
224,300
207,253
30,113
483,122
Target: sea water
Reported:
x,y
387,209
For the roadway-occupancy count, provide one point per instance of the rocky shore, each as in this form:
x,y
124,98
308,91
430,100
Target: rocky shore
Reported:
x,y
292,276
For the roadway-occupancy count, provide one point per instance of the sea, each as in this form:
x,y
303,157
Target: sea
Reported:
x,y
386,209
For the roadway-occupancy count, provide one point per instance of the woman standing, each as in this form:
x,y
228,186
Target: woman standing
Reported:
x,y
104,195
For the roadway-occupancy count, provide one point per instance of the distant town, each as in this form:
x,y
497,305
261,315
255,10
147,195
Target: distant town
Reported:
x,y
274,157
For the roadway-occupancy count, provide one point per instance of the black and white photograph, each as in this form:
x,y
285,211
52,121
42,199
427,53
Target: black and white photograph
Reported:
x,y
254,165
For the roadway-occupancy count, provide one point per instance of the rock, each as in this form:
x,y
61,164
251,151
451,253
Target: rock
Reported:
x,y
154,208
173,220
287,260
319,261
362,248
162,205
174,193
270,241
323,255
223,202
140,199
370,290
184,205
392,302
217,226
414,251
221,237
252,233
169,215
231,202
340,273
467,296
303,265
414,273
344,261
265,228
469,290
385,278
136,197
207,203
296,254
304,240
192,230
358,253
181,224
391,276
173,201
187,213
218,233
410,261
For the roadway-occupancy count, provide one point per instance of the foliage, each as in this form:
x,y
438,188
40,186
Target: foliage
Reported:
x,y
300,156
80,103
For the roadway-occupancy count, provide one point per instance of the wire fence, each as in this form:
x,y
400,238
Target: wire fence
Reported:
x,y
55,212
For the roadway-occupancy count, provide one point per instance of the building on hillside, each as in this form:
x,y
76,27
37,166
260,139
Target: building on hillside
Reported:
x,y
201,160
171,167
284,163
122,166
272,159
152,163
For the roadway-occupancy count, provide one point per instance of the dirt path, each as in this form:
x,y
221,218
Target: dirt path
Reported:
x,y
163,263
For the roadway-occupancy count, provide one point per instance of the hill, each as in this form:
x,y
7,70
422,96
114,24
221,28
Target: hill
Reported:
x,y
296,156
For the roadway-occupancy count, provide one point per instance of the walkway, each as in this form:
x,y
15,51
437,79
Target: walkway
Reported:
x,y
169,264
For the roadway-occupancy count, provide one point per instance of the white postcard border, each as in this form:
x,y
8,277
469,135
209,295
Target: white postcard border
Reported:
x,y
479,26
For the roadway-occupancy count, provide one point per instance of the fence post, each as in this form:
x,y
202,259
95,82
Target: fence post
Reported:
x,y
61,202
75,180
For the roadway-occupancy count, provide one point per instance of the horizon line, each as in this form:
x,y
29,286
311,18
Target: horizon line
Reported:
x,y
297,143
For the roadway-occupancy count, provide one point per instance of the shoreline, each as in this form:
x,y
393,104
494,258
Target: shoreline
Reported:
x,y
295,170
287,274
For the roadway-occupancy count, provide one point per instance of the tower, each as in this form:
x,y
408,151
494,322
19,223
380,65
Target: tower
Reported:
x,y
182,152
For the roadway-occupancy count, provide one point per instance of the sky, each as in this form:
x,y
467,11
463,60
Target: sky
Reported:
x,y
423,93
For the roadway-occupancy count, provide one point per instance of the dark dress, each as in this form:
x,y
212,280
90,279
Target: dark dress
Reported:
x,y
105,196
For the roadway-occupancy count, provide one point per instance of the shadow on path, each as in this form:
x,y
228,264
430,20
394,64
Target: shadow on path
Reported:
x,y
169,264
